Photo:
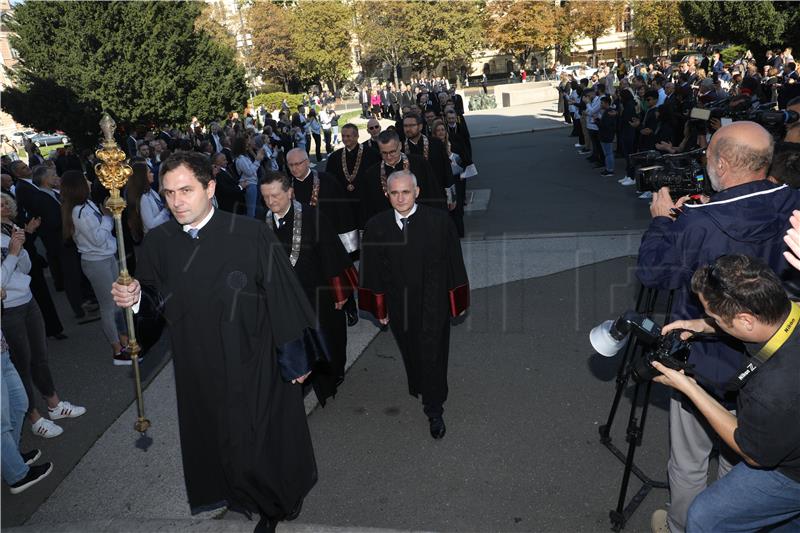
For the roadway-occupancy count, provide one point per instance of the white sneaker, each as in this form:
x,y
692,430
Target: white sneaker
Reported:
x,y
65,410
578,145
646,195
46,429
626,181
658,522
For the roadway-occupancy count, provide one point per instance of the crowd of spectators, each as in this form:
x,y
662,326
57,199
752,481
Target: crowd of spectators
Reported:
x,y
627,107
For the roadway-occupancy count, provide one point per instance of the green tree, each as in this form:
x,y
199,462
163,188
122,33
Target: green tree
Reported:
x,y
210,20
448,32
142,62
657,23
521,28
594,18
756,23
382,32
321,39
273,52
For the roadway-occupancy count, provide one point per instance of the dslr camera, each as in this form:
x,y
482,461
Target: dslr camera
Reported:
x,y
683,173
669,350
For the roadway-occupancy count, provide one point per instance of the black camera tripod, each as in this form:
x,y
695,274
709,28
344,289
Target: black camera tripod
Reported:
x,y
645,304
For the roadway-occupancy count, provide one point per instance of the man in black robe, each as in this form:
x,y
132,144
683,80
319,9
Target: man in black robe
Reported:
x,y
374,197
242,337
229,192
431,149
374,129
413,279
348,165
323,268
320,189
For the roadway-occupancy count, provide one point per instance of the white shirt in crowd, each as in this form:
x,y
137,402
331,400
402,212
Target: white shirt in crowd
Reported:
x,y
93,232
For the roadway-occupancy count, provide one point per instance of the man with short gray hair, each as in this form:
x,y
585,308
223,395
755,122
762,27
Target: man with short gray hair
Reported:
x,y
748,215
413,279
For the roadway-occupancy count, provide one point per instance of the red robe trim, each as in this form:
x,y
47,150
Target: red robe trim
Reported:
x,y
344,284
459,299
372,302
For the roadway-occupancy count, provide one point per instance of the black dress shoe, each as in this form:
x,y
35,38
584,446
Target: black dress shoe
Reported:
x,y
438,428
266,525
352,317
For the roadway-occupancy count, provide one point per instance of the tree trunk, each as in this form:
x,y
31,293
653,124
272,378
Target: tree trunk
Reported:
x,y
394,75
285,84
594,52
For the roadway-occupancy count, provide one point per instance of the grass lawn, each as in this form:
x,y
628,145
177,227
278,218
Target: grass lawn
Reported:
x,y
44,149
349,117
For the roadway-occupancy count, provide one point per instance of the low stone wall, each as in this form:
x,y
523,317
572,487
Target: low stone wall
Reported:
x,y
526,93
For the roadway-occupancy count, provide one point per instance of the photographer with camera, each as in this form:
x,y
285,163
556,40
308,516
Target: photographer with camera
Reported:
x,y
747,214
744,299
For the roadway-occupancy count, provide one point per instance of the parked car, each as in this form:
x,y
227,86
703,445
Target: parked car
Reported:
x,y
578,71
49,139
18,137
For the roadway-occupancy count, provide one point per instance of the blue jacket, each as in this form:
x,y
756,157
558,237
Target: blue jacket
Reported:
x,y
748,219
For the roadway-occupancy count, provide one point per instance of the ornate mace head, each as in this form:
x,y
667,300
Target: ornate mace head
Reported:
x,y
112,171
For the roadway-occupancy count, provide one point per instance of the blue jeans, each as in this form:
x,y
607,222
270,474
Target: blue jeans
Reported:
x,y
608,152
250,199
15,404
747,499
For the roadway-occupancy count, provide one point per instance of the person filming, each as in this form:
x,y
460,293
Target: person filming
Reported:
x,y
744,299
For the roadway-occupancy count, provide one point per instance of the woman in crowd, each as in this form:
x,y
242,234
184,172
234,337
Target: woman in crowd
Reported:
x,y
146,209
90,227
375,102
247,164
457,153
23,328
315,129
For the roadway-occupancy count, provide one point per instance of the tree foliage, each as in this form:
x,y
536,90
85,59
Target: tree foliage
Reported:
x,y
657,23
522,28
751,23
320,33
381,33
594,18
209,21
273,52
142,62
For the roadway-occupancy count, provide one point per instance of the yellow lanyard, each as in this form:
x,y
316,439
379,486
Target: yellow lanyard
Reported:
x,y
780,336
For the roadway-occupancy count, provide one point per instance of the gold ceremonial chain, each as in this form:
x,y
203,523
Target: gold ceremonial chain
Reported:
x,y
424,147
406,165
351,177
314,190
113,173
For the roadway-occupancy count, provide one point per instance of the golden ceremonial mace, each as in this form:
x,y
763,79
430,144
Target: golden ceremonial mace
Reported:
x,y
113,173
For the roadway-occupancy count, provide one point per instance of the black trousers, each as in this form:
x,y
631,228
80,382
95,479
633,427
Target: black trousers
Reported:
x,y
23,328
328,146
76,286
317,146
577,129
365,110
41,293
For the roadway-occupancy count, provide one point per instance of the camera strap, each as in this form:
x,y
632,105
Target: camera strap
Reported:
x,y
768,350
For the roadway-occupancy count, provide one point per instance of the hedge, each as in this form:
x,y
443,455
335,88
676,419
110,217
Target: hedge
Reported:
x,y
272,101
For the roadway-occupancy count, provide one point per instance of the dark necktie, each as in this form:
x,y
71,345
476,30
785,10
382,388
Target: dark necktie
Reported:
x,y
281,222
404,222
193,232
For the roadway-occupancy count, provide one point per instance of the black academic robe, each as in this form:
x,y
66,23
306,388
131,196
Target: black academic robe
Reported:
x,y
332,202
372,145
373,195
230,197
327,276
351,192
461,133
241,329
419,282
437,157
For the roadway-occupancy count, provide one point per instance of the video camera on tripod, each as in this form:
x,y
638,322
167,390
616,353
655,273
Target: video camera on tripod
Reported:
x,y
670,350
683,173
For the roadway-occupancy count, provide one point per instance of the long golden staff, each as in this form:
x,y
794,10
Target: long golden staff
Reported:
x,y
113,173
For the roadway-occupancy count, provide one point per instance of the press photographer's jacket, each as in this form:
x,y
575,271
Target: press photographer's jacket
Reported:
x,y
748,219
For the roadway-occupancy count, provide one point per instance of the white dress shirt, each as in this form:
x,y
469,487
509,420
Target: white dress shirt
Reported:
x,y
398,216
